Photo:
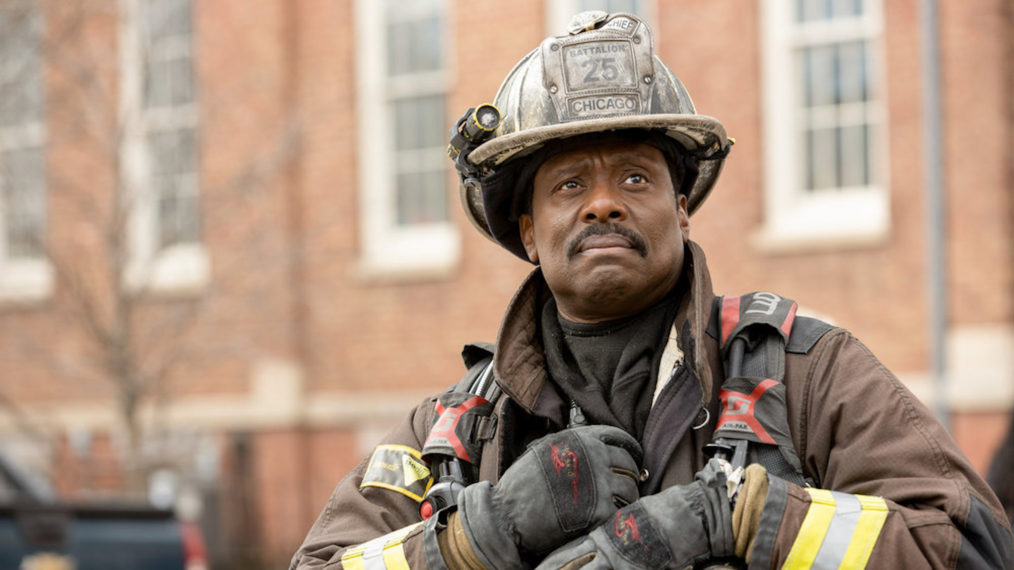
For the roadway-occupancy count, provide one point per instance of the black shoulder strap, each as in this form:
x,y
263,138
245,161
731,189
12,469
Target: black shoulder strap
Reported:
x,y
478,379
806,331
754,331
462,422
463,419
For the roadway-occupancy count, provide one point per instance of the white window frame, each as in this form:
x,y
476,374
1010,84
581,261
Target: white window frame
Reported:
x,y
795,218
387,248
182,266
25,279
559,13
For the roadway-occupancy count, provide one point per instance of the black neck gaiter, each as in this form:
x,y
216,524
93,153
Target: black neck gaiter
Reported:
x,y
608,368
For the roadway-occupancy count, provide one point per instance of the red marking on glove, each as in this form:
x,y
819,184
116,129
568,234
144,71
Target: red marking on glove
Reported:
x,y
561,464
626,528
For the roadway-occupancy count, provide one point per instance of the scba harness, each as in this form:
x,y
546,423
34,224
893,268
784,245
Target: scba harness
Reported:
x,y
463,423
755,331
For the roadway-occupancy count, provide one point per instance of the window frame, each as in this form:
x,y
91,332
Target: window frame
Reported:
x,y
386,247
795,218
27,278
180,266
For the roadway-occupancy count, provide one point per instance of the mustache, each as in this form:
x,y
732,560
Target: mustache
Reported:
x,y
605,229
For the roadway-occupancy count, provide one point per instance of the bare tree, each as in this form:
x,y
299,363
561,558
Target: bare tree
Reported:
x,y
121,175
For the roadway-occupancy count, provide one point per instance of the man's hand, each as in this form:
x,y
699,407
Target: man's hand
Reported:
x,y
676,528
564,484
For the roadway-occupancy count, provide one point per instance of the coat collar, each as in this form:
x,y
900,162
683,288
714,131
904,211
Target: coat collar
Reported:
x,y
519,361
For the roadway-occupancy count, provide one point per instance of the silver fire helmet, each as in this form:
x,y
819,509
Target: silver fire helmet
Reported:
x,y
603,76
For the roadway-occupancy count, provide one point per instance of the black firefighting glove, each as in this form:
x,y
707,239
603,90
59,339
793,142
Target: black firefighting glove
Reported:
x,y
675,528
564,484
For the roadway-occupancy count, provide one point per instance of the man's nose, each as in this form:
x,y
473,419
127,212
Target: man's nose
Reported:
x,y
604,204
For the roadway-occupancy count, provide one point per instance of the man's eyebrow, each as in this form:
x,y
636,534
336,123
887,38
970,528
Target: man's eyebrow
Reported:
x,y
567,168
630,161
630,157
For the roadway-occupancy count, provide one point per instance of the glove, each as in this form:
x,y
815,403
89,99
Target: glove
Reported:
x,y
564,484
676,528
749,507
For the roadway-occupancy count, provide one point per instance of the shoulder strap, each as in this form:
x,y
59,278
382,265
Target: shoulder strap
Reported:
x,y
462,415
463,421
764,322
753,427
478,379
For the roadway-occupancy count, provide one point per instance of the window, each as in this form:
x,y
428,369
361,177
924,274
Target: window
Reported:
x,y
170,121
24,269
824,123
403,166
162,145
559,12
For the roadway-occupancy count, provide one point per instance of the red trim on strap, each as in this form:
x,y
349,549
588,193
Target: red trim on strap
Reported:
x,y
737,406
448,422
730,316
789,320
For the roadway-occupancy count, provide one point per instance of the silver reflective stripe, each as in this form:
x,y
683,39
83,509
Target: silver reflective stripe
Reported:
x,y
382,553
839,534
839,531
373,556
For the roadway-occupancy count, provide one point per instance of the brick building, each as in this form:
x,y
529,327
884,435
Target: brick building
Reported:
x,y
287,270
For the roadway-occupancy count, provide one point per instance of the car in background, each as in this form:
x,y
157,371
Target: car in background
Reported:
x,y
40,532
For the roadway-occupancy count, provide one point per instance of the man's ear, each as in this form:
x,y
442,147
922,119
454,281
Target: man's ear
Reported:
x,y
683,216
527,230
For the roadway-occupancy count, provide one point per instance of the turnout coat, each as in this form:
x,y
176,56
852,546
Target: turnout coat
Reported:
x,y
891,488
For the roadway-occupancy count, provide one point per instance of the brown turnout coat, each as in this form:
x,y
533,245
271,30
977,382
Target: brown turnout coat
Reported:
x,y
855,427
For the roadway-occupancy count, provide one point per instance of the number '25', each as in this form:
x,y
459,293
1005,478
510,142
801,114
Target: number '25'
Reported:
x,y
600,68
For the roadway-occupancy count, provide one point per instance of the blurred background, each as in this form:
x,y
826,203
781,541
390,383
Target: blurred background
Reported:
x,y
232,254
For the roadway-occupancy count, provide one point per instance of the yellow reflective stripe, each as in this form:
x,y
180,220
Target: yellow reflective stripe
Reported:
x,y
394,557
383,552
811,533
867,531
839,531
843,525
353,560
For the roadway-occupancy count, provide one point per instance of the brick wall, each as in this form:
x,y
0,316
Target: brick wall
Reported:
x,y
280,200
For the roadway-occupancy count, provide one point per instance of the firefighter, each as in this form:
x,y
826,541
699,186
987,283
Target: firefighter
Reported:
x,y
613,360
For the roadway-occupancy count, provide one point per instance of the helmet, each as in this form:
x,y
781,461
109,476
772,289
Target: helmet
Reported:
x,y
601,77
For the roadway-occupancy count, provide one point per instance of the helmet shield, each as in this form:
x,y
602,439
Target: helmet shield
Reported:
x,y
602,77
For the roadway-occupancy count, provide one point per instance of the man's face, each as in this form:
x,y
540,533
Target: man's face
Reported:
x,y
607,228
